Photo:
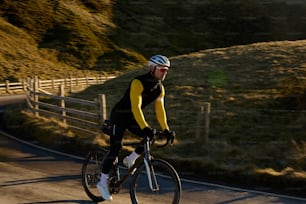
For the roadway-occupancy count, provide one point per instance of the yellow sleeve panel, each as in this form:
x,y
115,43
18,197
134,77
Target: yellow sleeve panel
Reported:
x,y
160,110
136,101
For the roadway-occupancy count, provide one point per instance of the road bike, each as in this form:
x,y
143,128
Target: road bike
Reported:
x,y
152,179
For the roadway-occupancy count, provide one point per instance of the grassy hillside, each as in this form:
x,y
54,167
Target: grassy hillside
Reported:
x,y
57,38
257,127
249,88
257,91
60,37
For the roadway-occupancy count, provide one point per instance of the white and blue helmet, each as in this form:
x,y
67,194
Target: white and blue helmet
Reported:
x,y
159,60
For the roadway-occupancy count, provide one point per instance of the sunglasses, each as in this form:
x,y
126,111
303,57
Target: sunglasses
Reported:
x,y
162,69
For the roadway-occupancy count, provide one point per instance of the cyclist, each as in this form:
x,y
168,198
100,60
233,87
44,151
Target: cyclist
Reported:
x,y
128,114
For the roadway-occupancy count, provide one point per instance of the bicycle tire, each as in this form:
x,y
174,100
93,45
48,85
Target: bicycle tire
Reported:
x,y
91,171
167,178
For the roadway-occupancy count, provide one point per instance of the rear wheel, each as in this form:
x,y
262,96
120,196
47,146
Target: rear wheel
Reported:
x,y
91,172
168,184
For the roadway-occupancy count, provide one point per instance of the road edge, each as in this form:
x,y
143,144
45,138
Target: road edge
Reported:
x,y
182,179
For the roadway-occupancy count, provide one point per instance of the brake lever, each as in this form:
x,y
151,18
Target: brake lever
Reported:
x,y
160,135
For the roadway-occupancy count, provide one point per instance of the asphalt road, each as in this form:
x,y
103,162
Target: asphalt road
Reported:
x,y
31,175
10,99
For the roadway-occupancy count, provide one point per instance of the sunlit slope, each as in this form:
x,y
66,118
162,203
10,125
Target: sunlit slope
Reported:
x,y
60,37
252,125
54,39
257,118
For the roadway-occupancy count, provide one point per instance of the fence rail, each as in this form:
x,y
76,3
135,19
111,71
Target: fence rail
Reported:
x,y
42,102
87,116
11,87
8,86
56,106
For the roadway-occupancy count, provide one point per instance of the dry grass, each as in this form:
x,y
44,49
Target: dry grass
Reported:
x,y
252,136
249,130
26,60
255,90
59,38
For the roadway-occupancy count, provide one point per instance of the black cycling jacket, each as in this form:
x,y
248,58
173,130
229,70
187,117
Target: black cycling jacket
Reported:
x,y
142,90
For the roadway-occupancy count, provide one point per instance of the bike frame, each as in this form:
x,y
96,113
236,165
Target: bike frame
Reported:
x,y
144,168
149,168
144,157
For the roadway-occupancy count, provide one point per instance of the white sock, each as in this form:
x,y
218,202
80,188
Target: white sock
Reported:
x,y
104,179
133,156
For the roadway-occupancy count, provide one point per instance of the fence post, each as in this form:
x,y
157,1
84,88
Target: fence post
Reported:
x,y
53,84
99,79
198,124
28,83
7,85
35,96
62,102
37,80
65,81
87,80
102,105
30,86
70,88
207,121
24,85
204,110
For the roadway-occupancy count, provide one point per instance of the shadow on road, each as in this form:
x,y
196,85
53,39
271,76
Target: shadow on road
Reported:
x,y
39,180
63,201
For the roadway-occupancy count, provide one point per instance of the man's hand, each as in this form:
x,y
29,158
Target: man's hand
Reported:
x,y
150,132
170,135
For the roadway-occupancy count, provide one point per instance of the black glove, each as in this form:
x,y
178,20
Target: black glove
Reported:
x,y
150,132
170,135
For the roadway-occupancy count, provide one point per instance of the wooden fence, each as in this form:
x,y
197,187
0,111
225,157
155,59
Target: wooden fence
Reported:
x,y
9,87
69,83
87,116
79,114
203,120
82,115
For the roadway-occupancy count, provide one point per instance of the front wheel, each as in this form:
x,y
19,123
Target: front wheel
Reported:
x,y
91,171
168,182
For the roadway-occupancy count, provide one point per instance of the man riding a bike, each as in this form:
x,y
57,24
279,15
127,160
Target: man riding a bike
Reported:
x,y
128,114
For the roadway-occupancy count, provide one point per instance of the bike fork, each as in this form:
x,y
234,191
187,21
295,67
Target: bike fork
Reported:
x,y
151,176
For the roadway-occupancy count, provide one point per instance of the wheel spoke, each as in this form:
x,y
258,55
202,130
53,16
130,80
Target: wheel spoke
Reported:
x,y
91,171
169,186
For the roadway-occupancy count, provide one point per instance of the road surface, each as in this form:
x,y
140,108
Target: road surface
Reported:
x,y
31,175
10,99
